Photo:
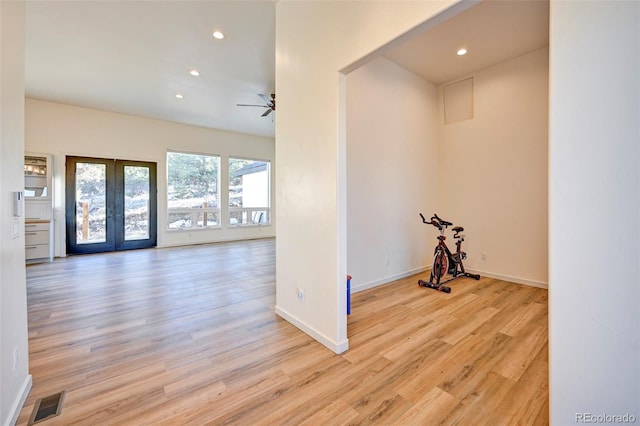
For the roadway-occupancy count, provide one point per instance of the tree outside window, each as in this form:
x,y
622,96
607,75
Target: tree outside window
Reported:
x,y
192,190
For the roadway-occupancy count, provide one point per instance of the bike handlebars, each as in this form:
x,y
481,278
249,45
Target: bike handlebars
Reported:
x,y
444,222
436,221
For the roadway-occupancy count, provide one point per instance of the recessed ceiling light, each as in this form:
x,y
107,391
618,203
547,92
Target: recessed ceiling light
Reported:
x,y
218,35
194,73
461,52
179,96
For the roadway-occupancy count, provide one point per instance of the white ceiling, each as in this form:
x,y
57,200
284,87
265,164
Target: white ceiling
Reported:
x,y
492,31
135,56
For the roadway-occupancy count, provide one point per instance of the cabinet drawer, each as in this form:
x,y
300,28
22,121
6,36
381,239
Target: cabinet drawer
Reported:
x,y
35,181
36,237
38,209
30,227
36,251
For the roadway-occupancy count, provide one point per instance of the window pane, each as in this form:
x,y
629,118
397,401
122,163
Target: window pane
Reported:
x,y
238,216
91,196
179,220
193,218
136,203
207,219
192,183
249,192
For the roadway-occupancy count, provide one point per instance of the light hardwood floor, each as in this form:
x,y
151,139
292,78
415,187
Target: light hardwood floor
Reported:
x,y
188,336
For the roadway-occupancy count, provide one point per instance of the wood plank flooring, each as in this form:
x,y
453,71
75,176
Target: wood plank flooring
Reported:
x,y
188,336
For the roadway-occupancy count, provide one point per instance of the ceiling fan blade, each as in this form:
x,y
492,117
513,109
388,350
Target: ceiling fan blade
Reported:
x,y
261,106
264,97
267,112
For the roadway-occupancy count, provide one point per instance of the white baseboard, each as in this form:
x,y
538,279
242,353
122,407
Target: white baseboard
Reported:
x,y
516,280
385,280
221,240
16,407
510,279
337,347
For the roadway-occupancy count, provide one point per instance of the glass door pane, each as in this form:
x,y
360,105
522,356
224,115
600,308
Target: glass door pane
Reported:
x,y
110,205
91,203
136,203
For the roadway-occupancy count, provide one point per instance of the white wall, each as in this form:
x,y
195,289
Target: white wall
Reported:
x,y
14,383
315,40
392,173
594,210
64,130
493,170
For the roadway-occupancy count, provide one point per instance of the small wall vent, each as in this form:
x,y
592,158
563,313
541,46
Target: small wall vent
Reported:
x,y
458,101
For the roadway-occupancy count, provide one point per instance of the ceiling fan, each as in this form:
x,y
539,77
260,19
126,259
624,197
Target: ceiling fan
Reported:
x,y
270,104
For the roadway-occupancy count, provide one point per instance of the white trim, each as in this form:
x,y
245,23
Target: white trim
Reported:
x,y
221,240
386,280
15,409
366,286
515,280
341,211
337,347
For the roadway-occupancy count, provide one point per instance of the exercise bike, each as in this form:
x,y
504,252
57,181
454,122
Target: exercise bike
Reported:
x,y
445,262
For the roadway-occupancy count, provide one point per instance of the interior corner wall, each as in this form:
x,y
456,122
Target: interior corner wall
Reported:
x,y
309,146
493,171
594,212
62,130
15,381
392,171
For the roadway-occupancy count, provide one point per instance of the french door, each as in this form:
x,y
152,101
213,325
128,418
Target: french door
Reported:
x,y
110,205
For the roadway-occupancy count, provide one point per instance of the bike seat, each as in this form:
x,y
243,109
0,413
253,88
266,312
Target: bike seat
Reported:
x,y
457,229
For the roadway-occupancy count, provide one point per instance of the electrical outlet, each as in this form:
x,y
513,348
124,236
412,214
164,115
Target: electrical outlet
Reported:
x,y
483,256
301,295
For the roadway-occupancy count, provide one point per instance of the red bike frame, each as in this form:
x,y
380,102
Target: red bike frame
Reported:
x,y
445,262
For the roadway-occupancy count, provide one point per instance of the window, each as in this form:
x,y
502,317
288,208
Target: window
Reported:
x,y
249,192
192,191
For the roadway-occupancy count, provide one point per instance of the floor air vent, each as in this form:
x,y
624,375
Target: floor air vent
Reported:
x,y
48,407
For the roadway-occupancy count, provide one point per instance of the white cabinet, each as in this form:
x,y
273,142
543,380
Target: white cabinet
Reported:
x,y
38,209
37,176
37,241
